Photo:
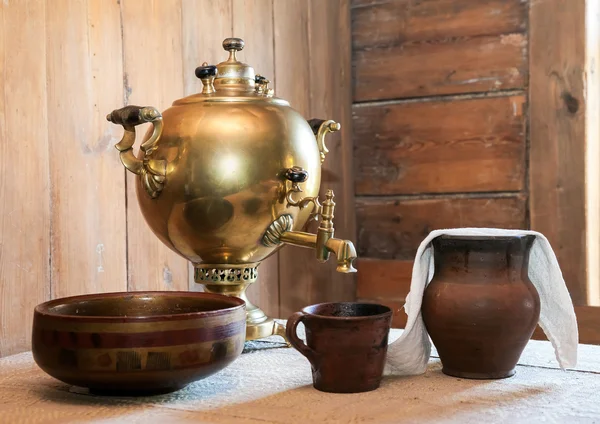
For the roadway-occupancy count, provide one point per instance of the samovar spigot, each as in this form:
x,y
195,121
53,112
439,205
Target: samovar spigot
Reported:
x,y
323,241
343,250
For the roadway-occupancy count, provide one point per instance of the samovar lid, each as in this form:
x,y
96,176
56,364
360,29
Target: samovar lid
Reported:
x,y
233,74
231,80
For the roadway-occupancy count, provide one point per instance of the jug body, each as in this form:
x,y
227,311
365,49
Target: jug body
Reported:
x,y
480,309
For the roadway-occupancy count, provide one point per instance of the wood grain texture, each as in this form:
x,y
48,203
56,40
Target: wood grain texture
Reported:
x,y
428,33
253,22
557,134
24,185
314,77
292,77
404,48
394,22
205,24
451,146
380,279
450,66
152,43
291,53
330,98
393,228
88,247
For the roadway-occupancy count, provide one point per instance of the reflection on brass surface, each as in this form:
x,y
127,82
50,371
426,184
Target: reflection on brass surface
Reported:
x,y
229,175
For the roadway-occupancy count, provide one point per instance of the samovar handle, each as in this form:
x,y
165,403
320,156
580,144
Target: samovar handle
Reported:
x,y
321,128
152,172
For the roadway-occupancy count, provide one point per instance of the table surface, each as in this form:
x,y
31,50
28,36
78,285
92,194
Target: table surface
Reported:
x,y
270,383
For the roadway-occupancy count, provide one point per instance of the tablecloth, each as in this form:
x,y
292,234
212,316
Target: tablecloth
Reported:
x,y
271,383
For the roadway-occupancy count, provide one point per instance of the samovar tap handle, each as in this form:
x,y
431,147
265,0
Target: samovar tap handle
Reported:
x,y
207,74
297,175
152,172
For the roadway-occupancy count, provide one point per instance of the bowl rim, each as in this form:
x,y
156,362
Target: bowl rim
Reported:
x,y
43,309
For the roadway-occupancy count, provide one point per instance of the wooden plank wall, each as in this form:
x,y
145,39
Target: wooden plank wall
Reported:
x,y
24,183
439,117
69,220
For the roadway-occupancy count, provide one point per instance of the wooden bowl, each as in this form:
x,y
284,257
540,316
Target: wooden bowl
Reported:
x,y
139,342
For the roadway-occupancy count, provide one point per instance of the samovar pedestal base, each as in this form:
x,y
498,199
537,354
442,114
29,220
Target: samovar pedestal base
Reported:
x,y
233,280
259,325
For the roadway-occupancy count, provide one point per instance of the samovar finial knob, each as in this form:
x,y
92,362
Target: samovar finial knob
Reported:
x,y
233,44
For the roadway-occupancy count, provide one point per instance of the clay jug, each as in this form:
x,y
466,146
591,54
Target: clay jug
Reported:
x,y
480,308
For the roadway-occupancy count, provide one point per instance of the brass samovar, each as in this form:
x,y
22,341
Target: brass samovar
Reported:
x,y
227,176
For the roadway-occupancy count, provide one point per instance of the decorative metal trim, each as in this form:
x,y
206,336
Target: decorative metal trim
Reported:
x,y
276,229
226,273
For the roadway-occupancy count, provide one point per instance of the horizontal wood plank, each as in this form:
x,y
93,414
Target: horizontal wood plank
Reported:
x,y
156,28
383,279
468,145
394,22
394,228
588,321
445,66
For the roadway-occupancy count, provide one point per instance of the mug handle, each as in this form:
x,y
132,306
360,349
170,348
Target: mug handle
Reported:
x,y
292,336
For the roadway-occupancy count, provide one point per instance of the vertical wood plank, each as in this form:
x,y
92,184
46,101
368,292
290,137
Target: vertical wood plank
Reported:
x,y
291,52
292,81
557,134
331,98
253,22
316,79
24,187
88,250
205,24
152,43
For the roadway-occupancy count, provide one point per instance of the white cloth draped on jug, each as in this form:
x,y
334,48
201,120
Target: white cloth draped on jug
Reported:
x,y
409,354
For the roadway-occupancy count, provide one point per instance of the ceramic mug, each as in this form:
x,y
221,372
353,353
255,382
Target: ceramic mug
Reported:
x,y
346,344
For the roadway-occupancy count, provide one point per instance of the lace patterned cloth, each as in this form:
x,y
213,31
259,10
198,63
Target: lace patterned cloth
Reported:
x,y
272,384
